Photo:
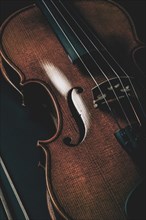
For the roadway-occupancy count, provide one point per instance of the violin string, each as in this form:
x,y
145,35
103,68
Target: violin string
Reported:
x,y
108,106
14,189
136,95
127,96
125,115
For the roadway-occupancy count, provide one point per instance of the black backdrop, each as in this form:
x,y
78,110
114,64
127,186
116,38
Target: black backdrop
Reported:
x,y
19,131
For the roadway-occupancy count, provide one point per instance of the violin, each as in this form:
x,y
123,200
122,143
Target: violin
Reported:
x,y
75,60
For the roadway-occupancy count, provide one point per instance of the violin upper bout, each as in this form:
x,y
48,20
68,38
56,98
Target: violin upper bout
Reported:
x,y
113,25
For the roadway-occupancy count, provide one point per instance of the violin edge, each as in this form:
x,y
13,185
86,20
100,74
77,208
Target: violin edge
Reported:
x,y
21,78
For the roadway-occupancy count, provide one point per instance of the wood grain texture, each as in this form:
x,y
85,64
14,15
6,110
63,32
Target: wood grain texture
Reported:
x,y
91,180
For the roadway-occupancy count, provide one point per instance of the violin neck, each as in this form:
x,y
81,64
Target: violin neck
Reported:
x,y
68,26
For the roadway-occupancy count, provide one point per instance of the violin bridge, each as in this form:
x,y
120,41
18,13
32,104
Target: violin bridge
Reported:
x,y
111,91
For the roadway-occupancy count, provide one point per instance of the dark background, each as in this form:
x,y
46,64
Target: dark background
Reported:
x,y
19,131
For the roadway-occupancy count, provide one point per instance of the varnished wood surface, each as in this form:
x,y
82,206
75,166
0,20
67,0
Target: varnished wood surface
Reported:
x,y
91,180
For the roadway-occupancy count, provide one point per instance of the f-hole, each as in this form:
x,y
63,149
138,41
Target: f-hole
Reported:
x,y
77,117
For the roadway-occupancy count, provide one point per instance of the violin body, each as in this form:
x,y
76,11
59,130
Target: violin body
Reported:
x,y
88,174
